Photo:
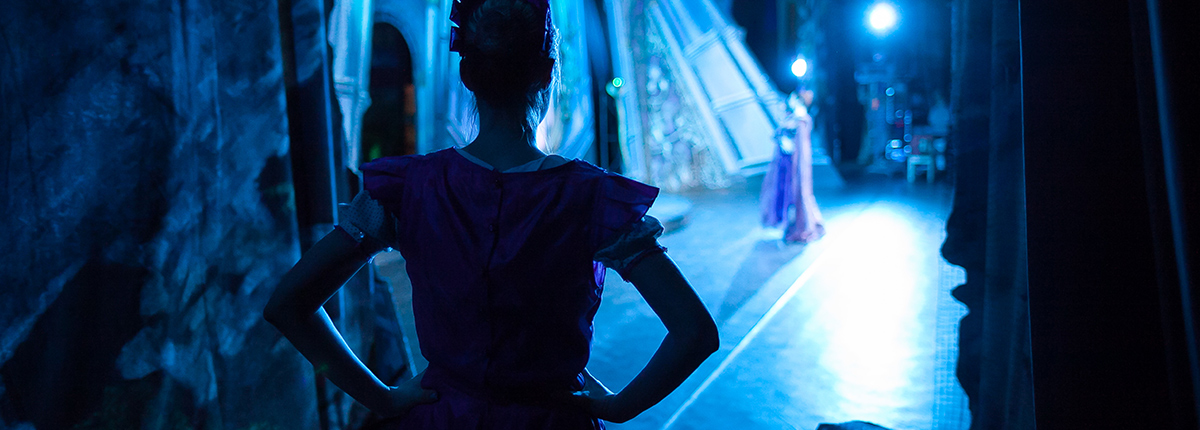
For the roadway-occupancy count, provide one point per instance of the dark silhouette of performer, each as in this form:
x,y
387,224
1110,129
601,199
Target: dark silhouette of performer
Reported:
x,y
506,249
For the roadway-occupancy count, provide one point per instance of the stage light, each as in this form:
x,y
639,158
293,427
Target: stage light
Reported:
x,y
613,87
799,67
882,18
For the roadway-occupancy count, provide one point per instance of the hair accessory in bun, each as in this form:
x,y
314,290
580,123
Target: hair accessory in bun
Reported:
x,y
462,41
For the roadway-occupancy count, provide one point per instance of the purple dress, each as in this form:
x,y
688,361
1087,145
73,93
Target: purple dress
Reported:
x,y
787,191
504,282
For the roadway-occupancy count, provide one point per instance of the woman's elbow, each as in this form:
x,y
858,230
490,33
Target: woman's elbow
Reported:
x,y
703,338
278,313
708,340
272,314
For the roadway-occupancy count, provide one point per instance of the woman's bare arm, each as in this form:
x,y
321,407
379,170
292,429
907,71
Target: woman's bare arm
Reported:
x,y
691,338
296,310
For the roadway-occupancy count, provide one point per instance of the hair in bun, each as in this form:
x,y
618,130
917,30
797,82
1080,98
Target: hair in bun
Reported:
x,y
508,48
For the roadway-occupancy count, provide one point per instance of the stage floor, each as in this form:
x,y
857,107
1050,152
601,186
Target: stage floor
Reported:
x,y
857,326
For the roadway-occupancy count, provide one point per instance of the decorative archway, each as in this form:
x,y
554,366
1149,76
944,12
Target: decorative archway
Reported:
x,y
389,124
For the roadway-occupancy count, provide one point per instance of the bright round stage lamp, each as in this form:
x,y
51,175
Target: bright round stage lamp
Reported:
x,y
799,67
883,18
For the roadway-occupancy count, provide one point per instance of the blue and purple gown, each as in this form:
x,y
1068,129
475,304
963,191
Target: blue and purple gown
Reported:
x,y
787,196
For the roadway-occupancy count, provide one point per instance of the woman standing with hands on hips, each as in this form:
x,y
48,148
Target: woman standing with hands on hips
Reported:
x,y
506,248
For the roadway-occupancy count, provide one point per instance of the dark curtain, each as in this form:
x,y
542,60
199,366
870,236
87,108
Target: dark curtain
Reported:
x,y
1074,212
986,229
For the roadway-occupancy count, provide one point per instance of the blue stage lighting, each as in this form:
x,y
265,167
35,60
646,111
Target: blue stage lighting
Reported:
x,y
799,67
882,18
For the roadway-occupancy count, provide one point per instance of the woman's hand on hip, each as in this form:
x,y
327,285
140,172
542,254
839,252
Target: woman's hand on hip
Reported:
x,y
600,401
405,396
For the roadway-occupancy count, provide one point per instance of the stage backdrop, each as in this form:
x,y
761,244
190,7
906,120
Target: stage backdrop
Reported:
x,y
568,129
148,215
696,109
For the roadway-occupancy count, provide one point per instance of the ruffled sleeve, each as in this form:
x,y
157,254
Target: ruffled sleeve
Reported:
x,y
619,202
625,250
383,179
368,222
623,231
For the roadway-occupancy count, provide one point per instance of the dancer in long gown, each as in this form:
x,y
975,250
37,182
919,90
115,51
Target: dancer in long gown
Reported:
x,y
506,248
787,192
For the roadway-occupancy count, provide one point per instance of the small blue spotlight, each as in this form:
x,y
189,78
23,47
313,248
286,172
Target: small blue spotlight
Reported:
x,y
882,18
799,67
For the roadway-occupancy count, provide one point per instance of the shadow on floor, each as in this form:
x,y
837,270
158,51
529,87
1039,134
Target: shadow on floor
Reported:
x,y
766,258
